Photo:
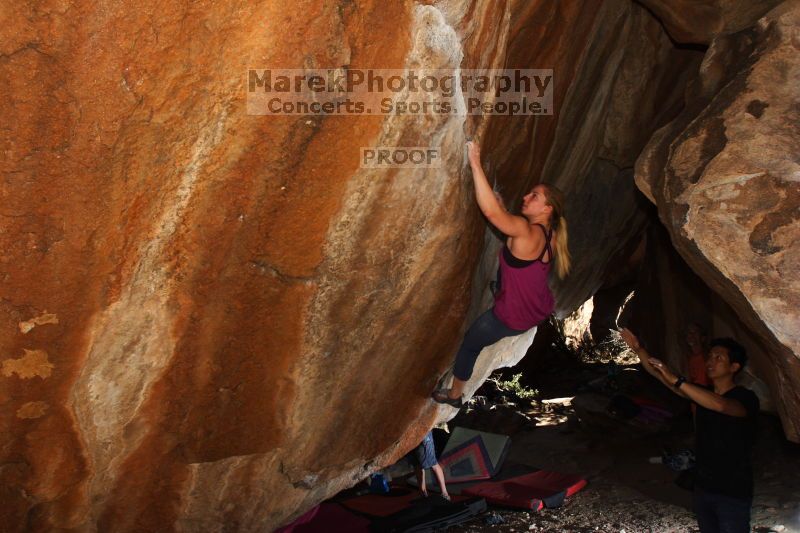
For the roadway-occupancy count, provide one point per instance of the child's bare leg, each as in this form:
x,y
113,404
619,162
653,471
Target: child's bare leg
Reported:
x,y
437,470
420,473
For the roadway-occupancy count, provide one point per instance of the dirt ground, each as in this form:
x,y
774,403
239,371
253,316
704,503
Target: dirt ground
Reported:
x,y
626,492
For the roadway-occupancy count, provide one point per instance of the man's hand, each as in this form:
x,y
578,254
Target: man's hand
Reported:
x,y
630,339
668,375
633,343
474,152
652,366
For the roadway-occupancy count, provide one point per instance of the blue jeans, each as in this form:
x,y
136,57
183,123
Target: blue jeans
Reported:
x,y
717,513
485,331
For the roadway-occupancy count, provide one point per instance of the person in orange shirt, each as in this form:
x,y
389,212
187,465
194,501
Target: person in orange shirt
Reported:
x,y
697,339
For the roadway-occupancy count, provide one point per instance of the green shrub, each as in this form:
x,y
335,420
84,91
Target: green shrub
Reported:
x,y
514,388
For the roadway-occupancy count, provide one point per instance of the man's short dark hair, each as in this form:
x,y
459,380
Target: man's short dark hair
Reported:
x,y
736,352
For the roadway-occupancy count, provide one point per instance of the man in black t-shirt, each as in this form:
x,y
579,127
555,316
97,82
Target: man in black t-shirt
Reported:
x,y
725,427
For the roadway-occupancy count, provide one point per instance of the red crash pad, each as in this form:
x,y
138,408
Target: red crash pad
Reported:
x,y
530,491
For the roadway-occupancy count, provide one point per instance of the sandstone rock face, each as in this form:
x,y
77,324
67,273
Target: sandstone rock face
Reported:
x,y
726,180
160,250
211,321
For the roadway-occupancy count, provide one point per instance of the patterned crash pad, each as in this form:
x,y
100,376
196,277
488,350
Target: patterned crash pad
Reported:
x,y
473,455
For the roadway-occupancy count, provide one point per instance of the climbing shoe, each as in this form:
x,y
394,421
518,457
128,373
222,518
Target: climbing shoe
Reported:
x,y
441,396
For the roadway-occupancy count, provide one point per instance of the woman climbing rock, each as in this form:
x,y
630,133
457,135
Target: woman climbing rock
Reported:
x,y
534,241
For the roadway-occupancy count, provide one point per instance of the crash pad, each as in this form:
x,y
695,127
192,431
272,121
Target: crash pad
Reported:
x,y
473,455
532,491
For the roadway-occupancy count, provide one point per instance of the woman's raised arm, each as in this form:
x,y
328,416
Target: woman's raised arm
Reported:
x,y
490,205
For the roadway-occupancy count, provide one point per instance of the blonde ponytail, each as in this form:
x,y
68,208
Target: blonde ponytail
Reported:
x,y
563,261
555,199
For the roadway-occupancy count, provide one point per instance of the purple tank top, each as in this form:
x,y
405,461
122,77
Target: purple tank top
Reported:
x,y
524,299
